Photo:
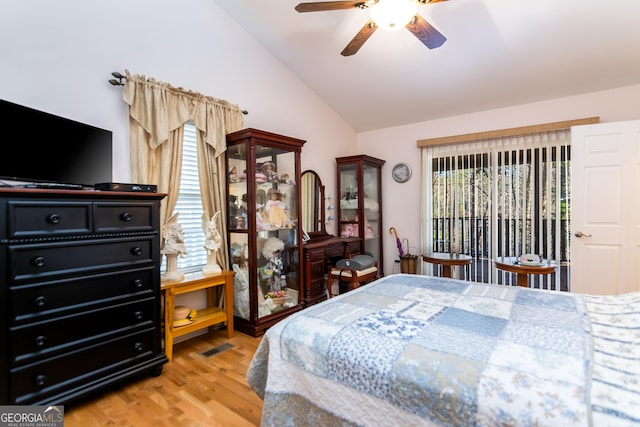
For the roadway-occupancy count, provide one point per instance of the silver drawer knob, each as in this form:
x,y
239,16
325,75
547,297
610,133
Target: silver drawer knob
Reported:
x,y
54,218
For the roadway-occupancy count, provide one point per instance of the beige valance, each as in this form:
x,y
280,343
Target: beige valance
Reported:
x,y
161,108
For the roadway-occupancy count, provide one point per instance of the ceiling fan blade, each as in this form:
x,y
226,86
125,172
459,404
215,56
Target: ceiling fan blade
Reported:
x,y
356,43
331,5
428,35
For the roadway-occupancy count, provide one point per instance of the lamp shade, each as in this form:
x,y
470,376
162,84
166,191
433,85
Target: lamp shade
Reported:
x,y
393,14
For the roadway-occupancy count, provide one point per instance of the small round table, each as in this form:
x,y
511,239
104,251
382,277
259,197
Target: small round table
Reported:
x,y
512,265
447,260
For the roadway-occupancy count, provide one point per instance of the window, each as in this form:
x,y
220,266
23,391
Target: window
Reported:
x,y
501,197
189,206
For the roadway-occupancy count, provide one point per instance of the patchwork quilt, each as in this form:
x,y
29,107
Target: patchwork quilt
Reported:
x,y
421,350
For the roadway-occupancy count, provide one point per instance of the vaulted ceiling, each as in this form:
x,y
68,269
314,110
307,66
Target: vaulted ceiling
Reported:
x,y
498,53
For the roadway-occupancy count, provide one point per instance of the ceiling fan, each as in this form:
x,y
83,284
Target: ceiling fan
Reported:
x,y
383,14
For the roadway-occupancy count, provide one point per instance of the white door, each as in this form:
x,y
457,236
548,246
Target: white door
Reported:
x,y
605,218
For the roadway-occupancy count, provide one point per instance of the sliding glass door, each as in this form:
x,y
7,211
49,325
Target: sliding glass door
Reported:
x,y
500,197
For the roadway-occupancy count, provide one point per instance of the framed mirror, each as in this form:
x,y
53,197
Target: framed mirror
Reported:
x,y
313,209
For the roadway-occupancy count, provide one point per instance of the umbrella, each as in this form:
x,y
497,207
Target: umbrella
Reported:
x,y
406,242
392,230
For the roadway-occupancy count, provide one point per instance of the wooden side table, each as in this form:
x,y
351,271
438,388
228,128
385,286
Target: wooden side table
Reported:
x,y
447,260
209,316
511,265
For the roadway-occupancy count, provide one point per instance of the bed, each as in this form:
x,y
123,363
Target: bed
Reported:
x,y
410,350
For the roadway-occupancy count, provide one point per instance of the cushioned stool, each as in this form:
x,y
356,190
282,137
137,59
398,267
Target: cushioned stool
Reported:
x,y
353,277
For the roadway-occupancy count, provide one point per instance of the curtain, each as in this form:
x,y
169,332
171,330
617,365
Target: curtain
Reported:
x,y
500,197
157,113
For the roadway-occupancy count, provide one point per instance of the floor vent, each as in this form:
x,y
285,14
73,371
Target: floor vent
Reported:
x,y
216,350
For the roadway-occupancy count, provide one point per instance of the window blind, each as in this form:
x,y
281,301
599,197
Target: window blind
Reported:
x,y
500,197
189,206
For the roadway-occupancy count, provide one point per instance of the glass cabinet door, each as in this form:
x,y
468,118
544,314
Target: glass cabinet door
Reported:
x,y
349,224
237,217
372,222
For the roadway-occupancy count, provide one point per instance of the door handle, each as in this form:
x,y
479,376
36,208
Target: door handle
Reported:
x,y
581,234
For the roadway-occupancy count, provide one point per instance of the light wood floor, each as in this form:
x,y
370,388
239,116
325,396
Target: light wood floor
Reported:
x,y
193,390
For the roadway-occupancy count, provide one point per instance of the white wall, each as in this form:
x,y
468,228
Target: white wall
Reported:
x,y
58,55
401,202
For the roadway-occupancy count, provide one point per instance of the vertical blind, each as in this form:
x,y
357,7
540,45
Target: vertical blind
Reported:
x,y
500,197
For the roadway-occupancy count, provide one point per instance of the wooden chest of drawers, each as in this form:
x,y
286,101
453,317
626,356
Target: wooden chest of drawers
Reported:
x,y
318,254
80,282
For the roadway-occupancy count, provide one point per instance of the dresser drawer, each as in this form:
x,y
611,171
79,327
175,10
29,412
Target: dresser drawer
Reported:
x,y
79,368
317,270
334,251
317,287
120,217
41,339
43,218
34,302
316,255
43,261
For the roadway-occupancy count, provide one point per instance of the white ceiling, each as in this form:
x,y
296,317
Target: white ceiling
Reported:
x,y
498,53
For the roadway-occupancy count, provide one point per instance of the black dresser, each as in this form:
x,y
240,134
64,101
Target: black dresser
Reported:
x,y
80,303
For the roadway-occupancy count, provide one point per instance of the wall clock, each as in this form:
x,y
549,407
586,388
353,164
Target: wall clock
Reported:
x,y
401,172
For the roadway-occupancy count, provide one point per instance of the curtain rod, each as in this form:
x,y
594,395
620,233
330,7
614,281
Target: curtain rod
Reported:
x,y
119,82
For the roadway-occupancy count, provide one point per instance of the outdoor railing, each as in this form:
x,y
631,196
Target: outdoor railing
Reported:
x,y
475,240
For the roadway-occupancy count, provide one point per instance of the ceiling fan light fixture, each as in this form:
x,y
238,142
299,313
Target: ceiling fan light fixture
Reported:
x,y
393,14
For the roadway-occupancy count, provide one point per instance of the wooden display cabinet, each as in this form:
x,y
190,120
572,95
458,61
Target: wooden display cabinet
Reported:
x,y
360,208
264,233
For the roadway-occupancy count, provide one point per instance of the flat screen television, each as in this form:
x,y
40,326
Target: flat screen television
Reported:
x,y
47,149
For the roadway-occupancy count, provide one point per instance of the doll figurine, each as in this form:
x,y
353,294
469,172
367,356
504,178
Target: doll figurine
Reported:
x,y
271,272
233,210
239,256
233,174
275,211
239,220
269,171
